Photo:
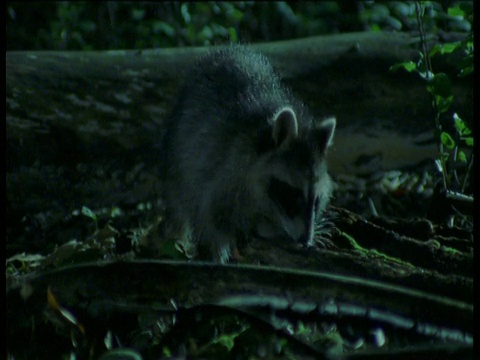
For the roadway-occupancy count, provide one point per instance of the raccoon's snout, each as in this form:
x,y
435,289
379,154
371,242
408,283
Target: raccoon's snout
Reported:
x,y
296,229
300,229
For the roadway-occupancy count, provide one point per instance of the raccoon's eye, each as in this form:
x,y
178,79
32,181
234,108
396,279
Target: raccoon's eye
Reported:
x,y
289,198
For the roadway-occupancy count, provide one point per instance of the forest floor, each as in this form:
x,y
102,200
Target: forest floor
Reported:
x,y
392,260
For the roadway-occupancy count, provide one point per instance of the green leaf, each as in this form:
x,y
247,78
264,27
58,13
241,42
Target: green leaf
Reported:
x,y
161,27
462,129
442,103
138,14
167,352
375,28
206,33
236,15
89,213
116,211
456,11
447,48
185,13
447,140
408,66
232,34
468,141
461,157
466,71
228,340
440,87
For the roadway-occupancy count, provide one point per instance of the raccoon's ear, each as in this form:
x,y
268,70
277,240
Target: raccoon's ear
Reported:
x,y
284,126
324,133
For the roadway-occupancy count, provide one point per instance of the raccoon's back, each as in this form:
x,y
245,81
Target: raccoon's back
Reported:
x,y
223,106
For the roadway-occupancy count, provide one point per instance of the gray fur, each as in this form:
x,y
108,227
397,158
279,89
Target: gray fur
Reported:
x,y
234,128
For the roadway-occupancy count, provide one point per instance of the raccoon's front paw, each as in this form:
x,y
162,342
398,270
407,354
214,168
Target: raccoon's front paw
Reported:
x,y
224,252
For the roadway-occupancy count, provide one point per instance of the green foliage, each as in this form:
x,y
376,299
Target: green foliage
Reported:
x,y
401,16
140,25
440,87
109,213
452,135
228,339
464,132
447,140
408,66
90,214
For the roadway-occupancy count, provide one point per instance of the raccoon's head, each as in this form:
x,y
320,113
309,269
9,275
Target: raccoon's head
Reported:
x,y
291,182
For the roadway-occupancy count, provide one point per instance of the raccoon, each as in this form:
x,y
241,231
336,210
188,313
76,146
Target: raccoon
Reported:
x,y
243,157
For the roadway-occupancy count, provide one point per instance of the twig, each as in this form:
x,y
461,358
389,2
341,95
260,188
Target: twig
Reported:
x,y
428,66
465,179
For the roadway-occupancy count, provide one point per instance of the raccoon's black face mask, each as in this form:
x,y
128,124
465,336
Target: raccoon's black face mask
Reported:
x,y
298,185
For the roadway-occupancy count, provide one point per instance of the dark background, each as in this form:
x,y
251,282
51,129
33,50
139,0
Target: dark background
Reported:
x,y
142,25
